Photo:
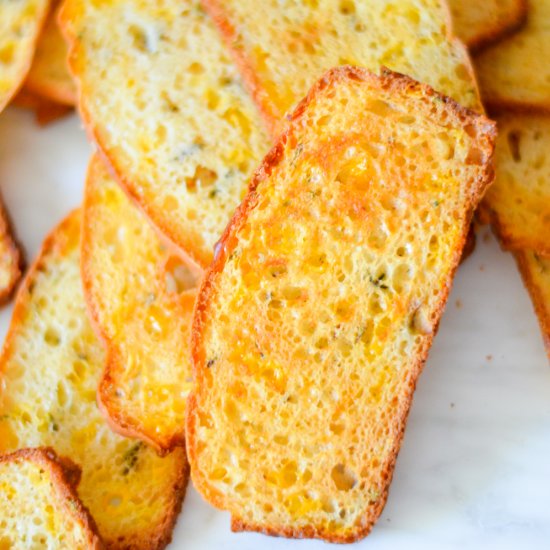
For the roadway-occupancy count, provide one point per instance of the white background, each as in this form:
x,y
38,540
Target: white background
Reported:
x,y
474,468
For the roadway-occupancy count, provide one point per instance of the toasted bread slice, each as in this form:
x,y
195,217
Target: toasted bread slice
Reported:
x,y
10,259
181,133
49,75
283,48
314,320
50,369
20,25
518,204
535,270
141,297
515,74
39,506
45,111
480,24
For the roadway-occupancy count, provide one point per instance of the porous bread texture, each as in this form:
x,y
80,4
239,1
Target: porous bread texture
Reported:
x,y
39,507
20,25
141,297
49,75
518,204
515,74
10,259
479,24
337,266
45,111
287,45
180,131
50,368
535,270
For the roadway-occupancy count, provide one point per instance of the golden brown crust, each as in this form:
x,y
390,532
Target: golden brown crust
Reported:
x,y
50,243
268,110
45,111
117,417
542,309
61,238
66,475
508,239
497,107
187,245
494,35
49,54
14,256
387,81
8,98
271,116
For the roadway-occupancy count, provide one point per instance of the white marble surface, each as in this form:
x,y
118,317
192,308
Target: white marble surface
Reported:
x,y
474,468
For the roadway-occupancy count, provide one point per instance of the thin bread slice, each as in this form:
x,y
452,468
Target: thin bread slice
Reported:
x,y
50,368
20,25
518,204
315,318
39,507
45,111
515,74
480,24
49,75
535,271
141,297
180,132
11,259
286,46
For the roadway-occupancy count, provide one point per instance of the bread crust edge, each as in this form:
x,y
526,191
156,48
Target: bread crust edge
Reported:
x,y
118,420
27,66
52,245
495,34
388,80
543,313
66,475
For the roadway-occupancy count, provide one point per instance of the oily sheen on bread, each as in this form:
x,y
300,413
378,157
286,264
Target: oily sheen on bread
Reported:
x,y
479,24
518,204
181,133
141,297
338,264
285,47
50,367
39,507
49,75
20,25
515,73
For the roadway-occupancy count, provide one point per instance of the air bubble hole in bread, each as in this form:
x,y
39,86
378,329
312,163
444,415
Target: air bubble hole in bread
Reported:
x,y
50,368
518,203
20,25
284,47
141,297
337,264
39,507
181,134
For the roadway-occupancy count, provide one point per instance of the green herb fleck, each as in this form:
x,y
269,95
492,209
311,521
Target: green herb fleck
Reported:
x,y
130,458
53,425
378,281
